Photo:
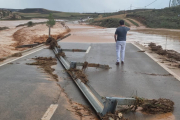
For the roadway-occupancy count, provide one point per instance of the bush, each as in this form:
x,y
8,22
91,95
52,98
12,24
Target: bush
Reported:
x,y
3,28
30,24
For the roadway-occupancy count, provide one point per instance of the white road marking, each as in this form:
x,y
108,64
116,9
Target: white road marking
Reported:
x,y
162,65
21,57
88,49
50,111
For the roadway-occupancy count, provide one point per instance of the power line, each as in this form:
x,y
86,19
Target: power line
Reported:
x,y
150,3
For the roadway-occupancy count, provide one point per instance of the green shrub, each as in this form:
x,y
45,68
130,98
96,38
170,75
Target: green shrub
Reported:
x,y
3,28
30,24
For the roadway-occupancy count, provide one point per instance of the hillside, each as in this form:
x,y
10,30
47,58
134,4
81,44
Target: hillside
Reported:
x,y
44,13
8,15
162,18
37,10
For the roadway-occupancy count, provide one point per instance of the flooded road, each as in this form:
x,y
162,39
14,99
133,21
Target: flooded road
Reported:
x,y
94,34
167,42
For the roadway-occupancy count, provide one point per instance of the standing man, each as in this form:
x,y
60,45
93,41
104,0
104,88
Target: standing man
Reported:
x,y
120,39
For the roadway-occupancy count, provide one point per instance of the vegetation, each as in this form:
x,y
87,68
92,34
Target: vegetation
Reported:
x,y
43,13
133,22
3,28
26,24
30,24
163,18
8,15
50,23
109,23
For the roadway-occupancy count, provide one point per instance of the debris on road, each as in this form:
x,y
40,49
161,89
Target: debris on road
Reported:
x,y
2,59
46,63
51,42
28,45
86,64
117,116
16,55
61,54
153,74
141,51
78,74
168,53
158,106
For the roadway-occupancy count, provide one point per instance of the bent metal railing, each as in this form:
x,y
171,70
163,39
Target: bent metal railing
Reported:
x,y
102,105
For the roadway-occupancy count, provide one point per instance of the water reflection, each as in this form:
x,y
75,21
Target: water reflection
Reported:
x,y
173,43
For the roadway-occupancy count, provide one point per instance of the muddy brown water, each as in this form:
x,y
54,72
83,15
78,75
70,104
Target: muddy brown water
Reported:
x,y
169,41
93,34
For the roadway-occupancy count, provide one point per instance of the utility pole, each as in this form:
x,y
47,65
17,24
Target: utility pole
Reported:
x,y
131,7
170,3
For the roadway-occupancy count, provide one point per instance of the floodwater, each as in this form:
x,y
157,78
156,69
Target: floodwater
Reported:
x,y
170,43
92,34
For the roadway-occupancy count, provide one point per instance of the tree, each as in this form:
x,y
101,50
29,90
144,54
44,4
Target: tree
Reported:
x,y
50,23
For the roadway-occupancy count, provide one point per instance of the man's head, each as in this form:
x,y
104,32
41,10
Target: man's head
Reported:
x,y
121,22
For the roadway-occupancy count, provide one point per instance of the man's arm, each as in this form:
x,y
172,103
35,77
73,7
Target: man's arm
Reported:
x,y
128,29
115,37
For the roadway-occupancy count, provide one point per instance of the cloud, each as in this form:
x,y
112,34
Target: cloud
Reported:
x,y
83,5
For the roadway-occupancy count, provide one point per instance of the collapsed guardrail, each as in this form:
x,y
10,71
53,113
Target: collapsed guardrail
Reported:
x,y
102,105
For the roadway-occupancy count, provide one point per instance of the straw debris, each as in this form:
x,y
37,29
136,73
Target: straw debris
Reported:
x,y
76,73
16,55
158,106
46,63
116,116
168,53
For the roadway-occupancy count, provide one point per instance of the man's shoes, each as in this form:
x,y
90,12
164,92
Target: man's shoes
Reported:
x,y
117,63
122,62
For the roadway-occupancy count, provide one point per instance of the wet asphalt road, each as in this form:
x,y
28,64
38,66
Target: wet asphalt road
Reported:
x,y
26,94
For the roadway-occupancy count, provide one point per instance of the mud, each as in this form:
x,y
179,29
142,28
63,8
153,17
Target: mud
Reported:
x,y
2,59
76,73
3,28
45,63
79,111
61,54
153,74
51,42
16,55
86,64
158,106
168,53
141,51
76,50
110,116
37,34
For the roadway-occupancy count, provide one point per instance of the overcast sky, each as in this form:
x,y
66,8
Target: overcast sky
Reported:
x,y
83,5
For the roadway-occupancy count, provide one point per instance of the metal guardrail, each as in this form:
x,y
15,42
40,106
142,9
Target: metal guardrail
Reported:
x,y
102,105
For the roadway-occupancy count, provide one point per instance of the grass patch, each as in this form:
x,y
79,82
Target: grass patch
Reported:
x,y
133,22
